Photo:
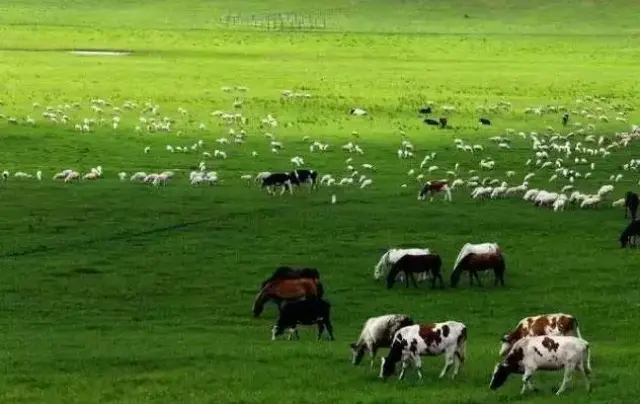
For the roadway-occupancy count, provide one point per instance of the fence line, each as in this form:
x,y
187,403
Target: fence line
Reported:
x,y
303,20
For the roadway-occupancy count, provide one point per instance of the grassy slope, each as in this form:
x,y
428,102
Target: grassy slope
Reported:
x,y
105,300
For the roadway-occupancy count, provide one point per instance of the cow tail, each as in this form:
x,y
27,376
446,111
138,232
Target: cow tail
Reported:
x,y
587,368
462,345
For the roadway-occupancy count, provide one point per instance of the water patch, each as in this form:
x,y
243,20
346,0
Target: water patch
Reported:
x,y
99,53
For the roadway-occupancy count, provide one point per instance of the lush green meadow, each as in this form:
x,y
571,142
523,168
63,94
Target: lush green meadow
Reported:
x,y
117,292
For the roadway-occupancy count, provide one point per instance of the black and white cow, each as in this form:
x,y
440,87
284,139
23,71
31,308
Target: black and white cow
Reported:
x,y
278,179
412,342
305,176
304,312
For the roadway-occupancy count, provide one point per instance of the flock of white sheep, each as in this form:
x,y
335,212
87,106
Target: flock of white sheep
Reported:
x,y
566,159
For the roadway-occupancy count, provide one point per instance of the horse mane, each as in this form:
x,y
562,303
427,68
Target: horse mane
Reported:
x,y
383,261
463,252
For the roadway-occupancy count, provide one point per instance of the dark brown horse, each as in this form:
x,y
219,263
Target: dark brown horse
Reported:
x,y
280,290
480,262
411,264
292,273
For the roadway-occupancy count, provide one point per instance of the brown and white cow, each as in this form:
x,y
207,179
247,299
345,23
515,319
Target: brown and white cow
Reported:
x,y
434,187
412,342
543,324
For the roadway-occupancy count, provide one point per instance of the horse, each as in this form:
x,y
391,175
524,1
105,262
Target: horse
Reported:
x,y
479,257
410,264
281,290
631,231
435,187
631,202
283,272
391,256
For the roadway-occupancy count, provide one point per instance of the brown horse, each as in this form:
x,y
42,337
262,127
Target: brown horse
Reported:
x,y
280,290
480,262
411,264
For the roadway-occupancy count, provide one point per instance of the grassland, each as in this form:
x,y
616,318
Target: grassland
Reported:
x,y
121,293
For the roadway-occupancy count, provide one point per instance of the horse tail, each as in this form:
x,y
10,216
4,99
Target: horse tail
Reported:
x,y
587,368
377,270
462,345
319,290
464,251
259,301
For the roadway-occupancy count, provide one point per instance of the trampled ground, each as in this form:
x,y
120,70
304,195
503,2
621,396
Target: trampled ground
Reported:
x,y
115,292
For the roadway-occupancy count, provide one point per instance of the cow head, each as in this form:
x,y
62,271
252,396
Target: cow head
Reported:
x,y
357,353
499,376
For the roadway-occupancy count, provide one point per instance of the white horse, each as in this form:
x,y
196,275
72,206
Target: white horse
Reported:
x,y
484,248
392,256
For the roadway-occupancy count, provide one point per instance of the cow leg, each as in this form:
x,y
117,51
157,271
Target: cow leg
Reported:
x,y
417,362
526,381
404,367
372,353
568,369
448,361
320,330
587,382
329,326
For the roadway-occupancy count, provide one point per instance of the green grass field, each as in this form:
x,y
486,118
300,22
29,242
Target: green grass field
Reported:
x,y
116,292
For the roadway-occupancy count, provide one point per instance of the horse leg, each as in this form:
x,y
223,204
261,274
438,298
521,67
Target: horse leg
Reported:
x,y
329,326
320,330
413,280
475,273
406,279
433,279
441,281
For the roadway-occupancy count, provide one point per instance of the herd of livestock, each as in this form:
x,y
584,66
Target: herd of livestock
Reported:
x,y
542,342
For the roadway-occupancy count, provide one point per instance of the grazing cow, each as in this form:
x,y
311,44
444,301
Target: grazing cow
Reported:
x,y
431,122
391,256
378,333
308,176
435,187
544,353
304,312
631,202
485,121
543,324
631,231
412,342
479,257
425,110
410,264
278,179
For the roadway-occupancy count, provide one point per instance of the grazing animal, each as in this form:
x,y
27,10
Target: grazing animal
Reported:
x,y
485,121
425,110
391,256
412,342
544,353
631,202
377,333
280,290
434,187
431,122
443,122
410,264
565,119
631,231
479,257
543,324
308,176
304,312
291,273
274,179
